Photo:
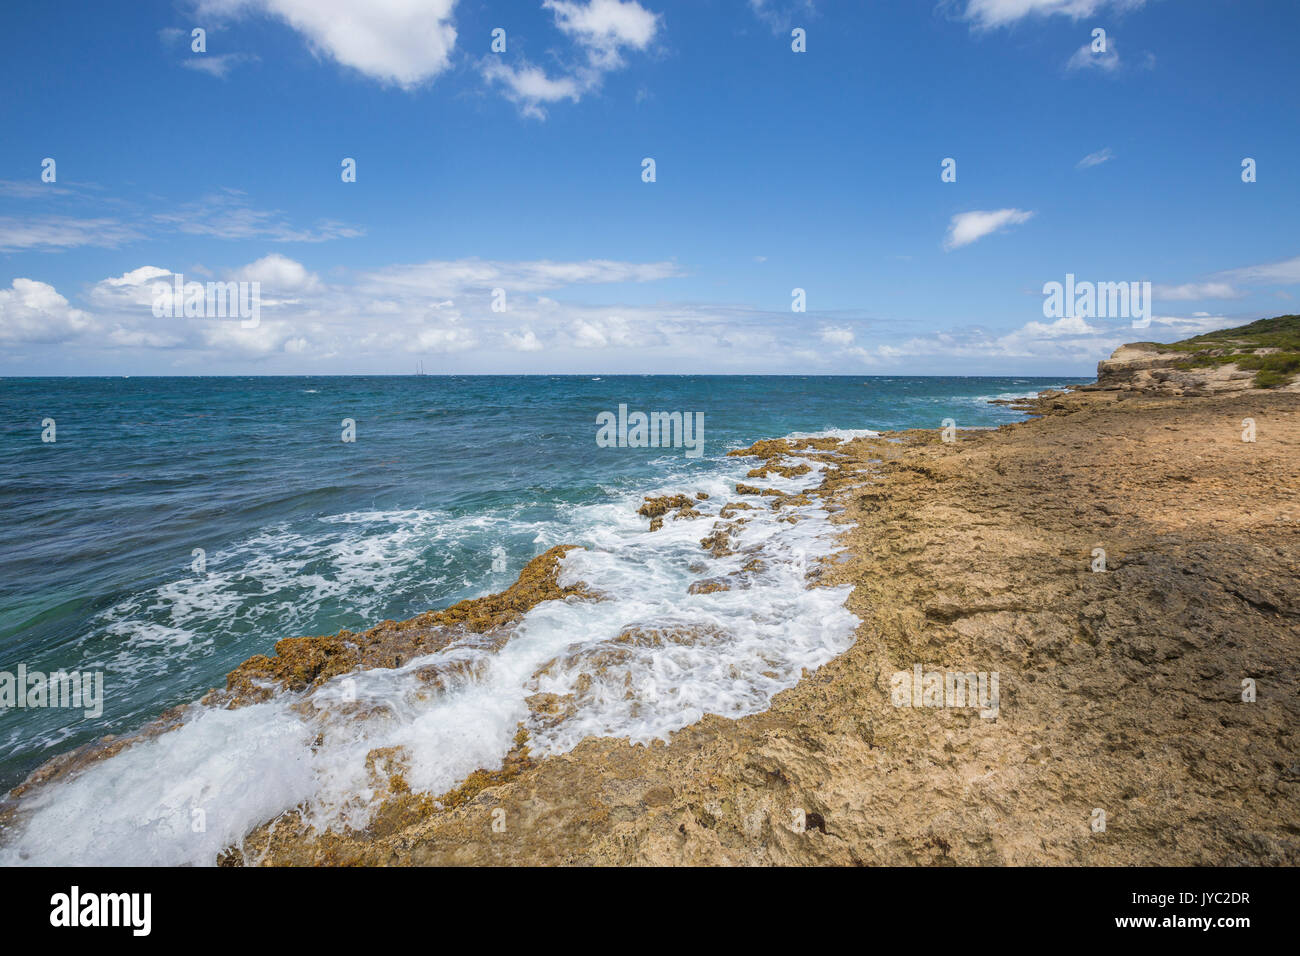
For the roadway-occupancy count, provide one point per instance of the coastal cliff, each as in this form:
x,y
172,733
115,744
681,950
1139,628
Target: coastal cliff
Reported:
x,y
1264,354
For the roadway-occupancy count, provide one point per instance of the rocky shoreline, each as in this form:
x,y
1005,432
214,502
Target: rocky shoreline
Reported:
x,y
1123,561
1121,690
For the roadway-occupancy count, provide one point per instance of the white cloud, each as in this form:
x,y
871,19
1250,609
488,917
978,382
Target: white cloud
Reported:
x,y
968,227
1228,283
231,339
988,14
529,87
225,214
460,276
1085,59
137,277
279,274
1066,340
62,232
1069,325
377,316
125,338
1095,159
601,29
1198,323
836,335
1191,291
228,215
400,42
1286,272
604,27
522,341
130,290
216,65
587,335
382,320
609,332
446,337
31,189
34,312
780,15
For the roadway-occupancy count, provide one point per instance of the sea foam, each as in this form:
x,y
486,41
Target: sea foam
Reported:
x,y
646,659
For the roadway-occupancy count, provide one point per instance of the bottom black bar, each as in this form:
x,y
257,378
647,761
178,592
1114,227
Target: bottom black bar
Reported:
x,y
945,906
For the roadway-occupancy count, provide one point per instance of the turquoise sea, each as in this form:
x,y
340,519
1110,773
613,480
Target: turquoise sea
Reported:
x,y
176,526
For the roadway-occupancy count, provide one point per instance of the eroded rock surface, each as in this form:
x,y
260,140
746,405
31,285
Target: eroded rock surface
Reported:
x,y
1121,690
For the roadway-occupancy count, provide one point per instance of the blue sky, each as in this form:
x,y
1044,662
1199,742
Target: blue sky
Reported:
x,y
522,171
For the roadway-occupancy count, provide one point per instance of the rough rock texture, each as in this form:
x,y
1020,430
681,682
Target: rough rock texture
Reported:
x,y
656,508
1121,690
303,663
1263,354
1148,367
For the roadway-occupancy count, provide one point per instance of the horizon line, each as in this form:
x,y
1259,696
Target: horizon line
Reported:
x,y
544,375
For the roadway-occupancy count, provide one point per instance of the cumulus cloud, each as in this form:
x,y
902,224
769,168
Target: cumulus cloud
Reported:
x,y
530,88
604,27
968,227
613,331
601,29
232,340
438,307
402,43
131,290
384,319
278,273
34,312
445,336
525,340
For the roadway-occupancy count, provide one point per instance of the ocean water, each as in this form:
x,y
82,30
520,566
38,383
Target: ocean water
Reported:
x,y
451,485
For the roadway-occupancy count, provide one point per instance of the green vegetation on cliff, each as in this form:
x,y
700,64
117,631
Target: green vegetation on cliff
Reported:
x,y
1269,347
